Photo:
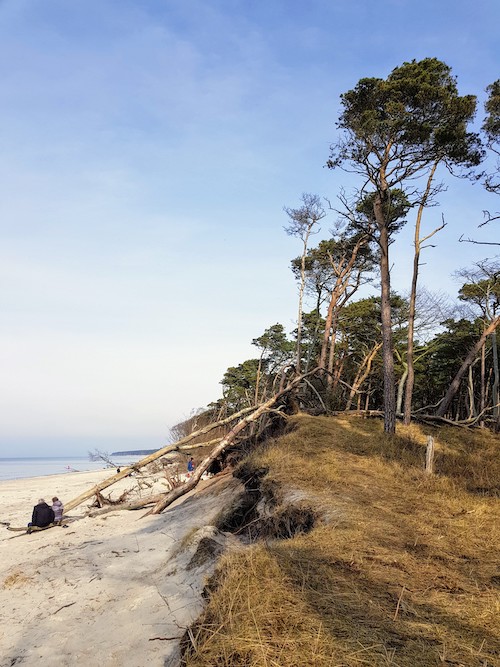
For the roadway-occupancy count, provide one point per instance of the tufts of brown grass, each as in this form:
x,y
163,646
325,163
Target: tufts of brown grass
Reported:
x,y
256,617
16,579
404,570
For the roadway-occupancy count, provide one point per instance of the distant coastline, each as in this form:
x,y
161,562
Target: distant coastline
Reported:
x,y
135,452
25,467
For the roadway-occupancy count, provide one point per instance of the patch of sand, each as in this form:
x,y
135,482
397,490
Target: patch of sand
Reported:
x,y
115,590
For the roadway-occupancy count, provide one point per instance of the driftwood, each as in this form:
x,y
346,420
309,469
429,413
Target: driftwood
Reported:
x,y
137,504
179,445
108,505
181,490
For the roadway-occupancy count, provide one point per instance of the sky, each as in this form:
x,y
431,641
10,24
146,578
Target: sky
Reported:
x,y
147,151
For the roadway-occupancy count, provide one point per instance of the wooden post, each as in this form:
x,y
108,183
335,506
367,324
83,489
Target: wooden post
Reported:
x,y
429,456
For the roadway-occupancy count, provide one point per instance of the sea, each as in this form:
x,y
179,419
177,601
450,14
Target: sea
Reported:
x,y
20,468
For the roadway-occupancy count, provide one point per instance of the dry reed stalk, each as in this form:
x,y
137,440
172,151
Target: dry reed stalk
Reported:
x,y
399,602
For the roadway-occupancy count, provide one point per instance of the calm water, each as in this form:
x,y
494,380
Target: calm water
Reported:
x,y
18,468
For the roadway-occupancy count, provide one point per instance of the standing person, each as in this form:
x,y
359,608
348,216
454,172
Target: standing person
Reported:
x,y
191,466
43,515
58,508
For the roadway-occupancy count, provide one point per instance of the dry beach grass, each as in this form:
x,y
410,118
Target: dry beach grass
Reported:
x,y
384,564
402,570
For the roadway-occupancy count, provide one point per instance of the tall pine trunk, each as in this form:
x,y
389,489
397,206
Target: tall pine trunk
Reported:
x,y
496,381
385,306
482,396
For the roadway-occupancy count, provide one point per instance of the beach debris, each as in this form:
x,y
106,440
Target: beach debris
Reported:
x,y
98,455
36,529
63,607
161,501
102,501
179,446
257,412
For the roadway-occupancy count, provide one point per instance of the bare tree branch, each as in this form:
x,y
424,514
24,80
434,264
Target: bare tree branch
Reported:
x,y
172,495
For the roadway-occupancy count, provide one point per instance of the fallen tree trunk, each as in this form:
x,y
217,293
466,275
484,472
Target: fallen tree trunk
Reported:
x,y
137,504
416,416
453,388
356,413
435,420
179,491
466,423
152,457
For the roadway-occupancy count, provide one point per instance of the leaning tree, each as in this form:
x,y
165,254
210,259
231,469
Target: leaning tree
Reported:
x,y
394,131
482,290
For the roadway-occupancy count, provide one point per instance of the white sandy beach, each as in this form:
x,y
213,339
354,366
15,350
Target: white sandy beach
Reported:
x,y
114,590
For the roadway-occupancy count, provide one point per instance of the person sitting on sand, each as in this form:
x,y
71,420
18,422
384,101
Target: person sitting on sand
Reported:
x,y
58,508
43,515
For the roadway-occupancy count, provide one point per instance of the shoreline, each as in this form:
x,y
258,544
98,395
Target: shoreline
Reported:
x,y
26,468
57,474
19,495
124,579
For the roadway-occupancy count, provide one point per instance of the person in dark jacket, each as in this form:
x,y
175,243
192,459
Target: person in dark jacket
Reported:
x,y
43,515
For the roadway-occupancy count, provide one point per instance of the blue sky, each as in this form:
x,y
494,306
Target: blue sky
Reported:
x,y
148,149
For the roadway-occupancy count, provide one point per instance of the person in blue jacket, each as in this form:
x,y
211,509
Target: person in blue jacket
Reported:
x,y
191,465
